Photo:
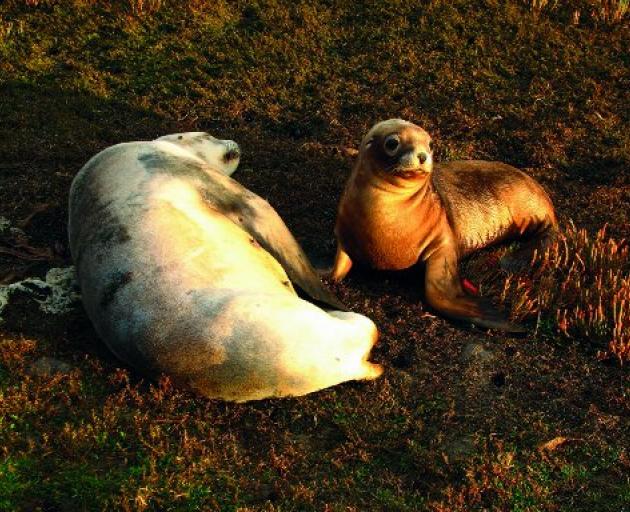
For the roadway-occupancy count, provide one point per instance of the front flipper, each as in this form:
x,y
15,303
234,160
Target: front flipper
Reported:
x,y
262,222
266,226
342,264
444,293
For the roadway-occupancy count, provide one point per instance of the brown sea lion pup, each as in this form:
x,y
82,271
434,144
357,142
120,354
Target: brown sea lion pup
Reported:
x,y
398,208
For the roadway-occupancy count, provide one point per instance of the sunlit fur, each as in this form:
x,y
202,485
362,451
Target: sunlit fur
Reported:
x,y
175,282
399,208
206,147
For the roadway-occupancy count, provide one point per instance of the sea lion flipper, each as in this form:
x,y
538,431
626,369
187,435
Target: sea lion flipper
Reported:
x,y
521,258
444,293
258,218
342,264
270,231
491,318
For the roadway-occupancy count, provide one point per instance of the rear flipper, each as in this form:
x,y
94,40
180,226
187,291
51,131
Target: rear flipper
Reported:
x,y
475,310
520,259
360,324
444,293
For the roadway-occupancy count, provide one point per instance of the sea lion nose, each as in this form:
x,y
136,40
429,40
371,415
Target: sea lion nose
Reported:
x,y
422,157
233,153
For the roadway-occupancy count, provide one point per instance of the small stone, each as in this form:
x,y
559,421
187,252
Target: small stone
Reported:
x,y
476,352
5,225
460,449
47,366
57,295
8,230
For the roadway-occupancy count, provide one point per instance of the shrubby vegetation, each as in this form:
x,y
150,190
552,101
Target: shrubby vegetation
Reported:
x,y
462,419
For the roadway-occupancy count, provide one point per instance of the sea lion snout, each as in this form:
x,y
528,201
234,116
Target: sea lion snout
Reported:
x,y
416,160
232,153
417,149
223,154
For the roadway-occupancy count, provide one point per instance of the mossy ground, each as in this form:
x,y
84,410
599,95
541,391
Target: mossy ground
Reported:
x,y
295,83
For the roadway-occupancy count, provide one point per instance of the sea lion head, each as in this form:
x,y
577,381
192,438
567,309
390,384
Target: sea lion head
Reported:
x,y
397,148
218,153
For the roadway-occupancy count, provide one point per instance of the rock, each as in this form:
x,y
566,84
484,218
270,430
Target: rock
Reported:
x,y
7,230
56,295
47,366
65,292
460,449
476,352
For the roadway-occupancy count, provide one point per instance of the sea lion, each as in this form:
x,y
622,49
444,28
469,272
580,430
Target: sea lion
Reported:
x,y
184,271
398,208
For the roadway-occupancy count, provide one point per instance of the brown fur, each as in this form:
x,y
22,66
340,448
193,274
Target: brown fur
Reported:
x,y
397,210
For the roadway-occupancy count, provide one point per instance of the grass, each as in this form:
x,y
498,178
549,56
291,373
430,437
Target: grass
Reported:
x,y
579,287
604,11
297,84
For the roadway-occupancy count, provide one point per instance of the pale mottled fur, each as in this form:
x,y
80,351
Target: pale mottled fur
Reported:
x,y
181,270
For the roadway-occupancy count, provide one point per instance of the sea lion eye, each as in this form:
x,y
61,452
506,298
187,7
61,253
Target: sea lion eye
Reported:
x,y
391,145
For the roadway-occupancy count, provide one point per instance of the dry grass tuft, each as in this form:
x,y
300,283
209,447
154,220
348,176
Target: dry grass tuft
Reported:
x,y
579,287
607,11
137,7
538,5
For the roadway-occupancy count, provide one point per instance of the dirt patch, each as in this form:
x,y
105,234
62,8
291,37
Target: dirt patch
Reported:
x,y
445,428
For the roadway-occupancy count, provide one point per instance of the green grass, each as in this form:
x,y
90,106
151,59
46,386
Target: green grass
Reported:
x,y
296,84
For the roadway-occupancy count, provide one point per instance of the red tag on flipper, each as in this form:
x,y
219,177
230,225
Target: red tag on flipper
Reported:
x,y
469,287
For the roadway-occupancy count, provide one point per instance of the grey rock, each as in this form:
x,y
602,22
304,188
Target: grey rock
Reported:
x,y
476,352
56,295
460,449
47,366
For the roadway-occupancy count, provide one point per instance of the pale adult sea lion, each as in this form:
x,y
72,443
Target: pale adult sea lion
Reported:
x,y
398,209
186,272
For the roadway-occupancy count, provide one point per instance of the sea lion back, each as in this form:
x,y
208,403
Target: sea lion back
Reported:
x,y
488,202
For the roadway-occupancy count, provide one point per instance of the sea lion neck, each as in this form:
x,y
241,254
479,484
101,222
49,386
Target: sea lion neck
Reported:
x,y
410,186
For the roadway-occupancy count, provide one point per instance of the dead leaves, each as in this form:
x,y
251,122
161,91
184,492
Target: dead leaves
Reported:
x,y
555,443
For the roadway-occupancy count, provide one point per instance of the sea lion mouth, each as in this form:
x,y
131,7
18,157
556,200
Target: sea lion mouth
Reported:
x,y
408,172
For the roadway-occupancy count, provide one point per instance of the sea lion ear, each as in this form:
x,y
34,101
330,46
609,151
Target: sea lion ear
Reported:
x,y
368,143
